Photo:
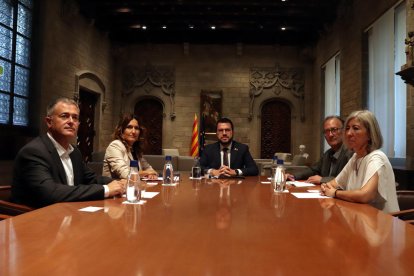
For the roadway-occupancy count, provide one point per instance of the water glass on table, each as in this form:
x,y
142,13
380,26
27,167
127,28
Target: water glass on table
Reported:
x,y
196,172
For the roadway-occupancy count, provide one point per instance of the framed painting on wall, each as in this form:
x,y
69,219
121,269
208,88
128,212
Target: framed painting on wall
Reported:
x,y
210,110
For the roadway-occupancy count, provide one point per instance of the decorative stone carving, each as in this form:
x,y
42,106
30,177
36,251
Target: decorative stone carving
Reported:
x,y
148,76
409,44
276,80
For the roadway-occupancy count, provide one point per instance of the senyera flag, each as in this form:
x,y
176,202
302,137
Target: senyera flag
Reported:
x,y
194,138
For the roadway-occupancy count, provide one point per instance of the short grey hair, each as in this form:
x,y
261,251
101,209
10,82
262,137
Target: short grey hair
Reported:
x,y
369,121
327,118
51,107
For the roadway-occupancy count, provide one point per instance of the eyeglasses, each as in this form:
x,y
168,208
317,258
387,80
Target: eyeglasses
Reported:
x,y
333,130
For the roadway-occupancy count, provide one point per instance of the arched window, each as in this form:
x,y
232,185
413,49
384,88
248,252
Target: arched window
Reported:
x,y
15,63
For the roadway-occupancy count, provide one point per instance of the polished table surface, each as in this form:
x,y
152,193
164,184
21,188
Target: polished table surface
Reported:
x,y
220,227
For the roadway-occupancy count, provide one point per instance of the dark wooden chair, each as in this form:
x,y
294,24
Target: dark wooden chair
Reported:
x,y
4,217
406,203
10,209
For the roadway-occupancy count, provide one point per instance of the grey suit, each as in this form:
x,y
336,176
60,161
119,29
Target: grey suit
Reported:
x,y
323,166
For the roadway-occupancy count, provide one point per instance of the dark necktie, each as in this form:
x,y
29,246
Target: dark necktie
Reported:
x,y
225,157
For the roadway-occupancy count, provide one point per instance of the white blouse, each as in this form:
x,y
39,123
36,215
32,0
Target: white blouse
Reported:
x,y
357,172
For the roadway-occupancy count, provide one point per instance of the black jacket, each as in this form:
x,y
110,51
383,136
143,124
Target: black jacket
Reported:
x,y
39,177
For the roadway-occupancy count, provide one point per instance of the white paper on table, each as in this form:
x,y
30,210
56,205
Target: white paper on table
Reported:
x,y
309,195
300,184
157,179
314,191
172,184
265,182
141,202
91,209
149,194
152,183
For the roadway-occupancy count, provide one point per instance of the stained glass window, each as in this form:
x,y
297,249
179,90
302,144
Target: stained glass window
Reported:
x,y
4,108
15,63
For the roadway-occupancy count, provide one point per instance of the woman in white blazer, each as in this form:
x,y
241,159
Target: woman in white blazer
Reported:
x,y
127,146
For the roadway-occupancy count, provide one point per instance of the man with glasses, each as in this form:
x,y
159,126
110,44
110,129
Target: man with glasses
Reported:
x,y
226,157
49,169
333,160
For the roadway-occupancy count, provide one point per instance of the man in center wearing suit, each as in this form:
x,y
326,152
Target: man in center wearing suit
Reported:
x,y
227,157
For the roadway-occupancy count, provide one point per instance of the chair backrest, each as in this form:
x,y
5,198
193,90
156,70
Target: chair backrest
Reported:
x,y
405,199
8,208
157,161
299,160
171,152
5,192
185,163
98,156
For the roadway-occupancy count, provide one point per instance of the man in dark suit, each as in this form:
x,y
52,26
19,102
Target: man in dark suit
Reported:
x,y
49,169
227,157
333,160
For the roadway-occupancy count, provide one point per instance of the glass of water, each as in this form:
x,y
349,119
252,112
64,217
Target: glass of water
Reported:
x,y
196,172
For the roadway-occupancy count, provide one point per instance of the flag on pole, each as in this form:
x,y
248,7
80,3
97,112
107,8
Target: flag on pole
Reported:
x,y
194,138
202,135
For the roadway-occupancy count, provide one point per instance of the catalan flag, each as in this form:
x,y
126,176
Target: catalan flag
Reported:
x,y
194,138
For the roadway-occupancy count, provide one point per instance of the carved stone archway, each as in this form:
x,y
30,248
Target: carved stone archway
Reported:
x,y
277,79
146,78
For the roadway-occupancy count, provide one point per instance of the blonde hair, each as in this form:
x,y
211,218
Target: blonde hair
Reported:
x,y
369,121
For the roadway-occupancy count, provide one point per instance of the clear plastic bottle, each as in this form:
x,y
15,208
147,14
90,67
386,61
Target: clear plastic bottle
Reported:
x,y
279,179
168,172
273,167
133,192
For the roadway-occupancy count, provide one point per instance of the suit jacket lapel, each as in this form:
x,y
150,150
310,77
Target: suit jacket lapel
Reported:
x,y
55,157
233,153
326,166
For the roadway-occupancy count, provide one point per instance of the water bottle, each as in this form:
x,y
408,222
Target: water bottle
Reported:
x,y
168,172
273,167
279,179
196,169
133,192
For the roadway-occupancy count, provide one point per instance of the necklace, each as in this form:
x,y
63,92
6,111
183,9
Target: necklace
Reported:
x,y
357,166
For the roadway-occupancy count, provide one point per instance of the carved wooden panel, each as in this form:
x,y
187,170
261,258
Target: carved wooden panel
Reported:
x,y
275,128
86,132
150,115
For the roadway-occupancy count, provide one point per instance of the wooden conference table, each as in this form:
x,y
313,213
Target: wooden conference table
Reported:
x,y
232,227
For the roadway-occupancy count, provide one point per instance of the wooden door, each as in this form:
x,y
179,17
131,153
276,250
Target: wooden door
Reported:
x,y
150,113
86,132
275,128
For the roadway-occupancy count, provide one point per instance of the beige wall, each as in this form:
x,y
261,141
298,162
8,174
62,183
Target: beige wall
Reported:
x,y
346,37
217,67
70,46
